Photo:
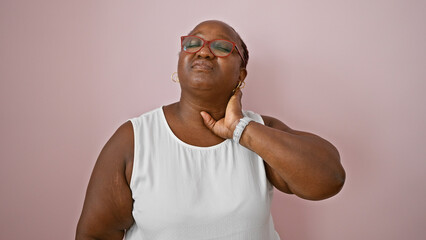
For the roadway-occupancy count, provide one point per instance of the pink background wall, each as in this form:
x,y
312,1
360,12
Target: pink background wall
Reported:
x,y
353,72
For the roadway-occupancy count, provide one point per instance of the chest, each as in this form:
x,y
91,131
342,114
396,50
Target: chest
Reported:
x,y
181,186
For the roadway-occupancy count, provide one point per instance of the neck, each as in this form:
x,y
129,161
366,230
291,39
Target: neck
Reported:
x,y
189,107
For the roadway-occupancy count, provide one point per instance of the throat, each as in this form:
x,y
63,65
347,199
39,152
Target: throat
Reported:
x,y
189,128
189,107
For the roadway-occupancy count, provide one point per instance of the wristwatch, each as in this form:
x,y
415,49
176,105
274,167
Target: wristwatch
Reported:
x,y
242,124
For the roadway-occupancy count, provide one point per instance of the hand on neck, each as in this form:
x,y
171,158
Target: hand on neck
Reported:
x,y
189,107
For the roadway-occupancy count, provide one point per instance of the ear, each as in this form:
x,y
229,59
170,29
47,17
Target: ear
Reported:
x,y
243,74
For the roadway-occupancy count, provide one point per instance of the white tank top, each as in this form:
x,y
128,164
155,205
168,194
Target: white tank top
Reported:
x,y
186,192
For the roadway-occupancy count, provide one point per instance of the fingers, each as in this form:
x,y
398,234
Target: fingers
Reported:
x,y
236,100
238,95
208,120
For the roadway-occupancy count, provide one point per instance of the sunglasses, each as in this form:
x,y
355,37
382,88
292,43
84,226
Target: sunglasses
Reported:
x,y
219,47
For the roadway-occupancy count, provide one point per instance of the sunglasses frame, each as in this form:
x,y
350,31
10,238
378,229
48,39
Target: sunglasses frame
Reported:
x,y
234,45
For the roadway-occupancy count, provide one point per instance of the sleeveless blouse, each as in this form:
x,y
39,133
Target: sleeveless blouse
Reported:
x,y
186,192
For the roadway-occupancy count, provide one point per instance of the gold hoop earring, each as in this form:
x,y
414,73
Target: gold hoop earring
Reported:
x,y
175,77
241,84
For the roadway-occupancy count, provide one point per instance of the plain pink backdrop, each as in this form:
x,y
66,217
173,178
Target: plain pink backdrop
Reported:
x,y
353,72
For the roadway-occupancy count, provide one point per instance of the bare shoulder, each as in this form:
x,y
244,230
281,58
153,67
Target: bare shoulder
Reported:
x,y
275,123
119,149
278,124
123,140
124,136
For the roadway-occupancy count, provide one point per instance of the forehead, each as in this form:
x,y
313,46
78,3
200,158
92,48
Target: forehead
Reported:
x,y
214,30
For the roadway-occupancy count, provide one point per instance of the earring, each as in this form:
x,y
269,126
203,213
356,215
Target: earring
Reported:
x,y
175,77
241,84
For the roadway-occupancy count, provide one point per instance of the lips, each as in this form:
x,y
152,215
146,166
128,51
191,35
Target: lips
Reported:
x,y
202,65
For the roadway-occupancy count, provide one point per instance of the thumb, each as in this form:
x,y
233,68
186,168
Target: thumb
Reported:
x,y
208,120
237,96
238,93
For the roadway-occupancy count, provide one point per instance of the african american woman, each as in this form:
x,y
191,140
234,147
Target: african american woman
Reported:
x,y
202,167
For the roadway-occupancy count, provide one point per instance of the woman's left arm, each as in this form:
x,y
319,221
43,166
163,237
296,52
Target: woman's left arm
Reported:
x,y
308,165
296,162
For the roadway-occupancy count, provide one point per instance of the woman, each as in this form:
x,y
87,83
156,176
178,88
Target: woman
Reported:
x,y
202,168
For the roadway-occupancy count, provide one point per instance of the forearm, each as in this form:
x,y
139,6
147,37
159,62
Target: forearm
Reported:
x,y
307,163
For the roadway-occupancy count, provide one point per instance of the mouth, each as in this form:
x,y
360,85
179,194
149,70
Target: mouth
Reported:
x,y
202,65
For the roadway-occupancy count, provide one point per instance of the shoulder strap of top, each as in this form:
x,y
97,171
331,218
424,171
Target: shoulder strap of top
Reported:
x,y
255,116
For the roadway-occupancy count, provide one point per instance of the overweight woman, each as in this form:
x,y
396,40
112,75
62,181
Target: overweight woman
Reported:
x,y
202,167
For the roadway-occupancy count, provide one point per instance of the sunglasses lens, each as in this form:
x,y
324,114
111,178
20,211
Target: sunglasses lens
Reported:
x,y
191,44
221,48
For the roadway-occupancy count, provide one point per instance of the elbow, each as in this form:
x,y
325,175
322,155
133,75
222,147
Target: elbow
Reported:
x,y
332,187
324,189
339,178
337,184
327,179
322,195
333,184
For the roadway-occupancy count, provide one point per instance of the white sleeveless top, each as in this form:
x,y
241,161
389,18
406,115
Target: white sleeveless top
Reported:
x,y
186,192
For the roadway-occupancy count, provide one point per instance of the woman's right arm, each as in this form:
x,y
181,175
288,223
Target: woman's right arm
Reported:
x,y
107,210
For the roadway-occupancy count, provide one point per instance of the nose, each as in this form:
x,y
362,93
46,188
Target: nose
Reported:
x,y
205,52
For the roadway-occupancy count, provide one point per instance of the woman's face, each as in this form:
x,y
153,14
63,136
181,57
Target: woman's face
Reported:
x,y
203,70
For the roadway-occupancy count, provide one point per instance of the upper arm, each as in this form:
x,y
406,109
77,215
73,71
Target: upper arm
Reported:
x,y
271,174
107,209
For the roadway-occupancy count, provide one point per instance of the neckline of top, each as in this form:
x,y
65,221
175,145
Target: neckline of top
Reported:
x,y
163,116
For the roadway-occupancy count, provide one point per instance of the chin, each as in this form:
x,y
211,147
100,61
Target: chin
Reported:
x,y
199,83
